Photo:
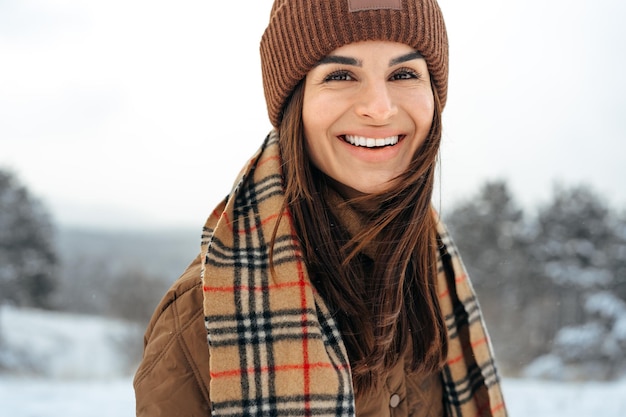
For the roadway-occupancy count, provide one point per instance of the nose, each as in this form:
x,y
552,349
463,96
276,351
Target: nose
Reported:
x,y
375,102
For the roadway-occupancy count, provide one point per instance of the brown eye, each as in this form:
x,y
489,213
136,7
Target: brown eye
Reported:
x,y
405,74
338,76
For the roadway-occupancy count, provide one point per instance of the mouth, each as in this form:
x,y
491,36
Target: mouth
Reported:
x,y
371,142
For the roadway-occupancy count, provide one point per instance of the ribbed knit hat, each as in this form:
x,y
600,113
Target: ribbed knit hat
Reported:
x,y
302,32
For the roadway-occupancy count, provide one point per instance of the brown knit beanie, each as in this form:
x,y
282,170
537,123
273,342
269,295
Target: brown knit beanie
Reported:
x,y
302,32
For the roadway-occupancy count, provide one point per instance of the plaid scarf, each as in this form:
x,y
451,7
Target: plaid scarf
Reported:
x,y
274,346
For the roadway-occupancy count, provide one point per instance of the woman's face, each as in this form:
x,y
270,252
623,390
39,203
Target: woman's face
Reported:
x,y
367,109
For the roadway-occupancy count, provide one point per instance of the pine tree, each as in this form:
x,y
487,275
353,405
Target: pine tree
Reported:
x,y
28,258
493,238
581,246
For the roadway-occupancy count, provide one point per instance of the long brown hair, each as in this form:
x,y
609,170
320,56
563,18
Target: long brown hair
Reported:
x,y
397,306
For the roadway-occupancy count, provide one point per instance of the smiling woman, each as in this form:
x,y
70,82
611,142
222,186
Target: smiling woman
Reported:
x,y
368,108
326,283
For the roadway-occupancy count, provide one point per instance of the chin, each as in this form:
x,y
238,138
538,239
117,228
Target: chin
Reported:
x,y
371,189
355,190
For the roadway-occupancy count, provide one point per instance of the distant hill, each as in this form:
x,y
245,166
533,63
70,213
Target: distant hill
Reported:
x,y
164,253
120,274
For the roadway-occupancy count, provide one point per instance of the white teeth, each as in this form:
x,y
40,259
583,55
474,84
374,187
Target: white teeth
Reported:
x,y
371,142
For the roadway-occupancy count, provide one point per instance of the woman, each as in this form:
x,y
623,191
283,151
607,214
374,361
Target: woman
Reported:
x,y
326,283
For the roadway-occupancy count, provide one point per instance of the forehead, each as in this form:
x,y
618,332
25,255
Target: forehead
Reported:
x,y
376,47
379,54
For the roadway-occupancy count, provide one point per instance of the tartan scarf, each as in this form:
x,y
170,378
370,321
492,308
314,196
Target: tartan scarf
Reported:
x,y
275,348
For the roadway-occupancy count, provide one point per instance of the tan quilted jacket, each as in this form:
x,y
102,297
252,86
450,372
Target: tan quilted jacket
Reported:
x,y
173,377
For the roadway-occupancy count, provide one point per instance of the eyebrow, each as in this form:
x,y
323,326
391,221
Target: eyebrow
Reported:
x,y
404,58
345,60
338,59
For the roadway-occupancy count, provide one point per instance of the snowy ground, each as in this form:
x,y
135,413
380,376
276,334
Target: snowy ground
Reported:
x,y
28,397
65,348
532,398
525,398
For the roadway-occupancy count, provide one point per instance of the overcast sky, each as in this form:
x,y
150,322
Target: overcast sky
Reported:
x,y
140,113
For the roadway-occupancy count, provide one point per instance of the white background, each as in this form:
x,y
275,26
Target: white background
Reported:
x,y
140,113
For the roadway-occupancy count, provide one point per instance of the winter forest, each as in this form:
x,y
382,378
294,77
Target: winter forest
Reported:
x,y
551,282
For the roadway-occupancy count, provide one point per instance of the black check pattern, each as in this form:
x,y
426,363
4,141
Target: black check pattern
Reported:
x,y
275,348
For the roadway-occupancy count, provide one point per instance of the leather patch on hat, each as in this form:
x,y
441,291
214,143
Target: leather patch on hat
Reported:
x,y
358,5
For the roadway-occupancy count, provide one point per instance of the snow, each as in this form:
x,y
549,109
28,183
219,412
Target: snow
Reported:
x,y
64,345
580,341
27,397
573,274
535,398
75,385
619,329
38,397
547,366
606,304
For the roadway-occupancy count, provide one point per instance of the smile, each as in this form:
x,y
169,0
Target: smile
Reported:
x,y
371,142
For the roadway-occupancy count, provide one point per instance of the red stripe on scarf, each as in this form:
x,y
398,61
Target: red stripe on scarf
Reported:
x,y
485,406
255,227
271,158
474,344
265,288
447,290
497,408
310,366
305,339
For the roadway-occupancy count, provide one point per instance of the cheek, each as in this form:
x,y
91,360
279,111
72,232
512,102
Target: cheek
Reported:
x,y
309,109
313,147
316,120
422,113
424,109
315,111
310,132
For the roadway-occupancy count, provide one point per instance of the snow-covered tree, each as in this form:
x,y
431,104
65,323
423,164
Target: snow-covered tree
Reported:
x,y
576,244
581,247
493,238
27,255
575,233
542,281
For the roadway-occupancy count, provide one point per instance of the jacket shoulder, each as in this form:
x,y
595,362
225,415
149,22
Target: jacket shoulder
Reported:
x,y
173,376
